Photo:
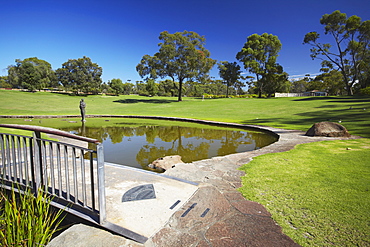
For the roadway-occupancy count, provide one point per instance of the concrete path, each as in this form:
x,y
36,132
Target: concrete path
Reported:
x,y
211,213
145,216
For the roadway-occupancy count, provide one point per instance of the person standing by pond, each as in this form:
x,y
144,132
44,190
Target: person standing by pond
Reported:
x,y
82,109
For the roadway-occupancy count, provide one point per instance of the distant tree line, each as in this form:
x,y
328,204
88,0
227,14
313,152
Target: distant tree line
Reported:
x,y
182,65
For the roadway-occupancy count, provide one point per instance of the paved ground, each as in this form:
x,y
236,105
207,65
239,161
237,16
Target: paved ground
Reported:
x,y
144,216
215,215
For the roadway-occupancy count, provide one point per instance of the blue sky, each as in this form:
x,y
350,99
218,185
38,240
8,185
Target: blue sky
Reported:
x,y
116,34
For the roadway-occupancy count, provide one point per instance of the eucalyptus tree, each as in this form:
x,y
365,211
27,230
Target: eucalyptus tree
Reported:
x,y
128,87
31,73
276,80
350,50
259,55
230,73
116,85
181,57
80,75
152,87
4,82
167,88
331,82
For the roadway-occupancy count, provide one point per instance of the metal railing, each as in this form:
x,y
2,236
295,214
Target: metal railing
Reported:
x,y
72,171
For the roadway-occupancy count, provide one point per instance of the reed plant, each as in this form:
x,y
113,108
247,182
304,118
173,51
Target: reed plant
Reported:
x,y
27,219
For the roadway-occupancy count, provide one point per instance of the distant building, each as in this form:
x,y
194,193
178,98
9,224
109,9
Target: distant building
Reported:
x,y
316,93
306,94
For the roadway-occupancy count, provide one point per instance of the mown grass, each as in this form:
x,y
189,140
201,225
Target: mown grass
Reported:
x,y
290,113
318,193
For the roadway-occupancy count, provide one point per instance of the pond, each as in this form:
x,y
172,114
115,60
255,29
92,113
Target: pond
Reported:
x,y
138,144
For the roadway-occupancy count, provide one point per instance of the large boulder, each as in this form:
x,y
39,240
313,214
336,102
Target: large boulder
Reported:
x,y
329,129
165,163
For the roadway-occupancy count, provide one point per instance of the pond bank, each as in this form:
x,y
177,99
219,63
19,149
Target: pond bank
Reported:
x,y
235,221
239,222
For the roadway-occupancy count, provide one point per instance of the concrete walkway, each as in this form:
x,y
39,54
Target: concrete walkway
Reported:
x,y
145,216
211,212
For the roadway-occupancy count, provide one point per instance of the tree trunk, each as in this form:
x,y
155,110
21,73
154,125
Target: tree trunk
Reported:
x,y
227,89
180,90
349,90
348,84
259,90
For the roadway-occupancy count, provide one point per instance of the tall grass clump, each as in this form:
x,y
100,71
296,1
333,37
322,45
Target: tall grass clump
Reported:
x,y
27,219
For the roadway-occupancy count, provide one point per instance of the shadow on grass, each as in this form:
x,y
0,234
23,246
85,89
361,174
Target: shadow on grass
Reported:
x,y
152,101
73,94
343,99
348,107
355,120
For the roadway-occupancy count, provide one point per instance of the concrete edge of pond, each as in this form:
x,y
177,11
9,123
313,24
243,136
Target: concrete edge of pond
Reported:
x,y
231,219
131,116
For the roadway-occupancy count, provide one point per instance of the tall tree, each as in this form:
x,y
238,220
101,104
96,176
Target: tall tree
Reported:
x,y
80,75
116,85
30,76
331,82
167,88
230,72
181,57
275,80
301,85
31,73
151,87
4,82
259,55
128,87
350,50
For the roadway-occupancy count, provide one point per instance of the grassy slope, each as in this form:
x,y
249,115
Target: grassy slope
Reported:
x,y
316,192
291,113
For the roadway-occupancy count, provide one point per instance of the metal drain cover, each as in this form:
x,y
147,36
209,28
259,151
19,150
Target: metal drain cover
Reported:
x,y
141,192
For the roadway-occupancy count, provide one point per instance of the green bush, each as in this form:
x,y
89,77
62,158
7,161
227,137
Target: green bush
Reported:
x,y
27,219
365,91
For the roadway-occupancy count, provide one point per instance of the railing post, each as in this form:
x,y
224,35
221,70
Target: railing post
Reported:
x,y
3,157
37,162
101,183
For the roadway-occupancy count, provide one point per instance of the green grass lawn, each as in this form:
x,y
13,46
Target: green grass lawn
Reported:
x,y
290,113
318,192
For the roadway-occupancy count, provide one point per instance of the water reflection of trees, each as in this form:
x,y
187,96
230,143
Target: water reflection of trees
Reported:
x,y
188,152
191,143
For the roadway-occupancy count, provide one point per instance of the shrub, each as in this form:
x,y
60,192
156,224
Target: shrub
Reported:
x,y
365,91
27,219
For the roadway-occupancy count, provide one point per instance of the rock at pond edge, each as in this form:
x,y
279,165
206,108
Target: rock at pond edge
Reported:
x,y
165,163
328,129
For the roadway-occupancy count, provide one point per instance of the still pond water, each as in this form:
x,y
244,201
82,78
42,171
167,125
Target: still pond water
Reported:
x,y
138,146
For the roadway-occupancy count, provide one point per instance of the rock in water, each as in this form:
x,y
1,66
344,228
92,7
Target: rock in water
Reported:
x,y
328,129
165,163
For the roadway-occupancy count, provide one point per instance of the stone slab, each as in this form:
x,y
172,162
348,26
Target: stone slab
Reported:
x,y
144,217
86,236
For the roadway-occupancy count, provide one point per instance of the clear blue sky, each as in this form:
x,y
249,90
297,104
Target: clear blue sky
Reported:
x,y
116,34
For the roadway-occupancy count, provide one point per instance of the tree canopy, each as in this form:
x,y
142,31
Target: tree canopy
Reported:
x,y
230,73
259,55
31,73
80,75
350,53
116,85
181,57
